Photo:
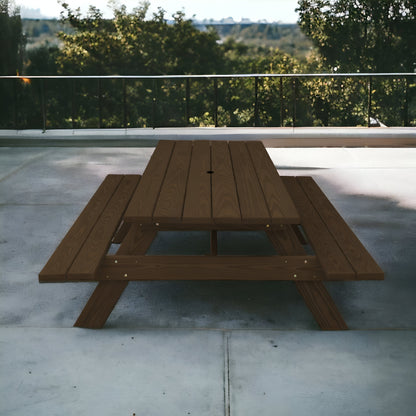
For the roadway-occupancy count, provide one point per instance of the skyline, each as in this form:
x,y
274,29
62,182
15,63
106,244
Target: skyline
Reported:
x,y
282,11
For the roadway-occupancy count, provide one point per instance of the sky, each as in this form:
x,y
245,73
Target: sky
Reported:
x,y
270,10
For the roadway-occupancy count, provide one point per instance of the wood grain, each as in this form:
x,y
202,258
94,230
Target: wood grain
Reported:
x,y
96,245
250,194
59,263
197,205
333,260
169,206
144,200
225,205
210,268
279,202
358,256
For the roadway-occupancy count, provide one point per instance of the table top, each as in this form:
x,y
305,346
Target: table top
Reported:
x,y
211,183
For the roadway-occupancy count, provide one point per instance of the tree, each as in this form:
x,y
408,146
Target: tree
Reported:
x,y
362,35
11,39
132,44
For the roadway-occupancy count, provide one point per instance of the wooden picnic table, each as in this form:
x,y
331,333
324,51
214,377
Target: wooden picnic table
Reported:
x,y
214,186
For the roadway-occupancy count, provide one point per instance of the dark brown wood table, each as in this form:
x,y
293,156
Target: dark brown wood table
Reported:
x,y
214,186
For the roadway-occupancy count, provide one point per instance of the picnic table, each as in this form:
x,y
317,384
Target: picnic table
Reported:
x,y
215,186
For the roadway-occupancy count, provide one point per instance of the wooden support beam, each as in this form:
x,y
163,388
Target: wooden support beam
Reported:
x,y
210,268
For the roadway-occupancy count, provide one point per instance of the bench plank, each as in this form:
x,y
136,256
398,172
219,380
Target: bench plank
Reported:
x,y
250,194
96,245
197,205
144,199
60,261
358,256
280,204
331,257
169,206
225,206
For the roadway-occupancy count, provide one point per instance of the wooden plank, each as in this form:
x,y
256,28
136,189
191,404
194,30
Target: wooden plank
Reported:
x,y
96,245
314,293
210,268
144,199
360,259
250,194
169,206
197,205
60,261
225,205
279,202
331,257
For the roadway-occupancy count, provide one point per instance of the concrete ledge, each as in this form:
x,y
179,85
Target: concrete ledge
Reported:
x,y
270,136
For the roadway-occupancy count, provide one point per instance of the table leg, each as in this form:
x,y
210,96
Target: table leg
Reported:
x,y
100,304
106,294
315,295
121,233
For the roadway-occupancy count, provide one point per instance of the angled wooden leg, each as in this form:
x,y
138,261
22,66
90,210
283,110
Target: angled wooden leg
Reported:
x,y
121,233
315,295
321,305
106,295
100,304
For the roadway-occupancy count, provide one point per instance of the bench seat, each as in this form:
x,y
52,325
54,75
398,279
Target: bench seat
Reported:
x,y
340,253
81,251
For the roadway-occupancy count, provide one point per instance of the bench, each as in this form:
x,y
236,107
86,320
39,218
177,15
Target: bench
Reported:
x,y
337,254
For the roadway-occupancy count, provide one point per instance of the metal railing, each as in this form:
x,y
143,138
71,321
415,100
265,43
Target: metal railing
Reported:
x,y
288,94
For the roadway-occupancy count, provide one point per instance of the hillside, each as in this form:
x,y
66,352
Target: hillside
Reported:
x,y
286,37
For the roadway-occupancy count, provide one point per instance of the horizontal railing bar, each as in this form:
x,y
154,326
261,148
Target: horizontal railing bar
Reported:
x,y
209,76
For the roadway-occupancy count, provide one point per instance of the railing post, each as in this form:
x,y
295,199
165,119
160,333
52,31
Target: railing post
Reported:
x,y
294,86
154,102
281,100
124,103
73,103
256,102
216,102
406,103
43,104
369,92
99,104
187,99
16,104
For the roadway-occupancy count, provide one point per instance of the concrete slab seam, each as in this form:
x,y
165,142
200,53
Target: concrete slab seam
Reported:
x,y
25,164
227,401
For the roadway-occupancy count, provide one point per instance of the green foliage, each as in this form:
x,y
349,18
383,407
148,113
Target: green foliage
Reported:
x,y
11,39
362,35
132,44
285,37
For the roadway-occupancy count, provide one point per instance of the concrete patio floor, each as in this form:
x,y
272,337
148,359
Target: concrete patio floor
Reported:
x,y
206,348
